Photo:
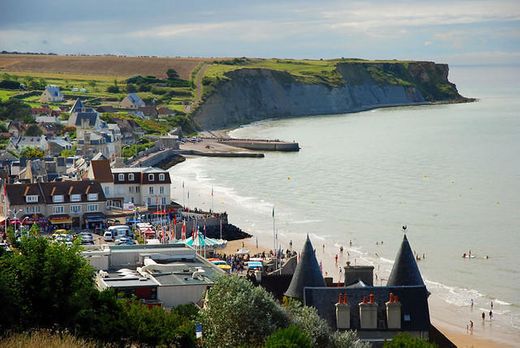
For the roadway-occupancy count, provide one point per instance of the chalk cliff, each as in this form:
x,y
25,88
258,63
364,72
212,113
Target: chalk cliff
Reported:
x,y
248,95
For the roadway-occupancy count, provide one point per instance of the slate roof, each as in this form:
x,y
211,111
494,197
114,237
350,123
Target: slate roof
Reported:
x,y
307,272
135,99
16,192
414,301
77,107
405,270
141,175
53,90
78,117
101,170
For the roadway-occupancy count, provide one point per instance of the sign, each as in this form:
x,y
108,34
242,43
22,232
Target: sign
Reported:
x,y
198,330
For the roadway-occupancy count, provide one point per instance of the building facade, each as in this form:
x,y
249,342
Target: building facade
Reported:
x,y
80,204
147,186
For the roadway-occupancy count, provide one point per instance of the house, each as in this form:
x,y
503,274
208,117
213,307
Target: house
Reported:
x,y
164,111
51,94
147,186
17,144
60,204
84,118
92,142
377,313
100,171
132,101
129,129
165,275
46,119
57,145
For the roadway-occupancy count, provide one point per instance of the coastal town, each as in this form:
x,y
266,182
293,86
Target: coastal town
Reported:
x,y
259,174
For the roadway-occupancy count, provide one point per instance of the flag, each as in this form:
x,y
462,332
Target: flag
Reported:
x,y
183,230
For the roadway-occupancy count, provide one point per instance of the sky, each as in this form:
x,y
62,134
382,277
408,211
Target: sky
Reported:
x,y
448,31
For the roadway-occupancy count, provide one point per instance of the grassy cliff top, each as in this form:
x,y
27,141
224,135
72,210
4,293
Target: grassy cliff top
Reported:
x,y
304,70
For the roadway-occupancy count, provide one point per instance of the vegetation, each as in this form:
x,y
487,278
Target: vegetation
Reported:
x,y
49,285
33,131
31,152
45,338
14,109
132,150
290,337
405,340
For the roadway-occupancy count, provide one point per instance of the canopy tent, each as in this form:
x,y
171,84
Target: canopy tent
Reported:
x,y
200,241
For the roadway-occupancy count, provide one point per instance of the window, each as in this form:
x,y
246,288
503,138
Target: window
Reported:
x,y
148,201
131,177
150,190
31,199
75,209
151,177
132,199
137,189
121,177
58,209
131,189
107,191
75,198
92,207
92,197
163,200
58,199
161,190
161,177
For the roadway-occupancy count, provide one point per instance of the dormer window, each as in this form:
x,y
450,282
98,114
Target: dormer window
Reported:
x,y
58,199
151,177
75,198
92,197
131,177
31,199
121,177
161,177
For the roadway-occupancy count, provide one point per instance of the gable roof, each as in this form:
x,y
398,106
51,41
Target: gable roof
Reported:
x,y
101,170
77,118
135,99
53,90
405,270
307,272
77,107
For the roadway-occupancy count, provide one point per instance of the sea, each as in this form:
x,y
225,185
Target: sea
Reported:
x,y
450,173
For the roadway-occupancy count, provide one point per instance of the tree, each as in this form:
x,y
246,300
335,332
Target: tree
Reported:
x,y
239,314
14,109
31,152
172,74
130,88
34,230
33,131
113,89
405,340
290,337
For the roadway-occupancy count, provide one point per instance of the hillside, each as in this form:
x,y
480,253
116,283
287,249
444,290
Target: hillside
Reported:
x,y
244,91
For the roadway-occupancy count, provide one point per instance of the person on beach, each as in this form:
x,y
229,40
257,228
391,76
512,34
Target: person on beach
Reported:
x,y
471,326
491,304
483,316
490,315
323,247
336,259
471,303
351,242
341,249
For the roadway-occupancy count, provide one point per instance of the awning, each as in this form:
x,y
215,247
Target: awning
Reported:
x,y
95,217
60,219
30,219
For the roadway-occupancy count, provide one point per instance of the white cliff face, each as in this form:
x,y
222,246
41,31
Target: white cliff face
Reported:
x,y
255,94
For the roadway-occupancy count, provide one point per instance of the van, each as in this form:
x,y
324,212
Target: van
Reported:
x,y
120,231
108,236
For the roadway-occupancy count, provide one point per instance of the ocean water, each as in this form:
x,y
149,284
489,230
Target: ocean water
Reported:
x,y
451,173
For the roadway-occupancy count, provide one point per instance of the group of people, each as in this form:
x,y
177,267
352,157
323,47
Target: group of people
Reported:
x,y
469,327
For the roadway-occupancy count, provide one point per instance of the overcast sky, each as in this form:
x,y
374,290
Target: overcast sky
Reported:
x,y
451,31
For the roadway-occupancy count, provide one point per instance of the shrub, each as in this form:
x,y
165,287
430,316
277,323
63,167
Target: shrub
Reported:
x,y
113,89
405,340
290,337
239,314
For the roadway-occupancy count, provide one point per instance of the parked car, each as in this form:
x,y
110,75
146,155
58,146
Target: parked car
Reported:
x,y
86,238
108,236
124,241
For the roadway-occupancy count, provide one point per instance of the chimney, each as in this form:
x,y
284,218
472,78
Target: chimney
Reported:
x,y
368,313
342,312
393,312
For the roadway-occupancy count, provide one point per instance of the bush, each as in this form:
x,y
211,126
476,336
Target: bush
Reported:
x,y
33,131
239,314
31,152
45,338
113,89
405,340
10,84
290,337
14,109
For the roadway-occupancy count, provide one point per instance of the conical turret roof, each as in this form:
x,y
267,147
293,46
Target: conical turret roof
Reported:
x,y
307,272
405,270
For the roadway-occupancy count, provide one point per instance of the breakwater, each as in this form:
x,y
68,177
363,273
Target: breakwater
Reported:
x,y
262,145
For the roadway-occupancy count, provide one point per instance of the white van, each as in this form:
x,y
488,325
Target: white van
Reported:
x,y
120,231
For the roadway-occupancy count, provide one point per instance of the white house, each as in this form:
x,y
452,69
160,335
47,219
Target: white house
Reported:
x,y
146,186
51,94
